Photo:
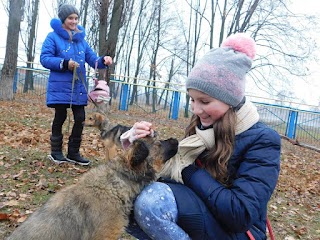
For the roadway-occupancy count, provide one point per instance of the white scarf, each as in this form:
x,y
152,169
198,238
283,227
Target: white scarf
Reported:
x,y
191,147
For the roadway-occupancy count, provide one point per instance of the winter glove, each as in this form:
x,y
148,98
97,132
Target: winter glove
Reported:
x,y
139,130
188,172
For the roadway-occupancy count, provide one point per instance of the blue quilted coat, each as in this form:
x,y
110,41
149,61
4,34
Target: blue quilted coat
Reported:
x,y
56,48
227,213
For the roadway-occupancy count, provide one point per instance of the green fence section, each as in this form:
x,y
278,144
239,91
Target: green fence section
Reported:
x,y
166,100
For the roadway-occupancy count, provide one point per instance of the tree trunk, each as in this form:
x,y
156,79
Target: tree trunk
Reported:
x,y
28,83
10,60
103,26
84,12
115,25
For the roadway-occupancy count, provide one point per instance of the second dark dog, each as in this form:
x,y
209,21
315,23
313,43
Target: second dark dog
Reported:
x,y
110,133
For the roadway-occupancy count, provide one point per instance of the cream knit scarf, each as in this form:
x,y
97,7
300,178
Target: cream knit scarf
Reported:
x,y
191,147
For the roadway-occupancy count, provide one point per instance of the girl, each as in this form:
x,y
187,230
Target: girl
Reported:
x,y
63,50
219,184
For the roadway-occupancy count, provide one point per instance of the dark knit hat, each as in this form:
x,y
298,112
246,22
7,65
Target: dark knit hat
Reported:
x,y
221,73
65,10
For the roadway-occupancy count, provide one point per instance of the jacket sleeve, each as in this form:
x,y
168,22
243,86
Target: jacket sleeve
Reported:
x,y
48,57
239,206
91,57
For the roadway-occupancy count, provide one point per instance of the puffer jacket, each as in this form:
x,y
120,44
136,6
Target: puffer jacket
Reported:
x,y
58,47
227,213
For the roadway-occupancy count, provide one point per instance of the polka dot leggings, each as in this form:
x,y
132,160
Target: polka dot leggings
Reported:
x,y
156,212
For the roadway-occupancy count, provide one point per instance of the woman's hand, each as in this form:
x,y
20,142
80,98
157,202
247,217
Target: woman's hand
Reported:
x,y
138,130
107,60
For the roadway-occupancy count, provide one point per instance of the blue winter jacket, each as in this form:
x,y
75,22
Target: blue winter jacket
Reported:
x,y
56,48
209,210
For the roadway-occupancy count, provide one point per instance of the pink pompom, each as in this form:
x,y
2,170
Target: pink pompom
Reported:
x,y
241,42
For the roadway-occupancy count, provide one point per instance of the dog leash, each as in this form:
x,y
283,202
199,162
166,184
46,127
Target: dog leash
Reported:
x,y
74,78
80,76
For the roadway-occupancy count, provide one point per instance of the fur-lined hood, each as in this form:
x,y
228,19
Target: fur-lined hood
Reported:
x,y
56,25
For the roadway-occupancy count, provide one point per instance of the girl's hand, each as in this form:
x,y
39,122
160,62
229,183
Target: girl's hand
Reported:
x,y
139,130
107,60
142,129
72,64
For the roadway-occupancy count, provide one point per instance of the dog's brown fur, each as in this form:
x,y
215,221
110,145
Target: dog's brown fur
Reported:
x,y
110,134
98,206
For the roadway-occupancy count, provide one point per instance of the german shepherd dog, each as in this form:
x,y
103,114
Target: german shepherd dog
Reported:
x,y
109,133
99,204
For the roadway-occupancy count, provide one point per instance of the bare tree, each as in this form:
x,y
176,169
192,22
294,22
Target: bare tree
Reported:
x,y
284,47
164,93
16,9
154,54
116,23
32,18
103,6
192,39
280,35
142,29
84,6
91,19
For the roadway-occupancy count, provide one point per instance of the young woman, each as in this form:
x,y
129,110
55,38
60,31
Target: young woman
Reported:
x,y
65,50
219,184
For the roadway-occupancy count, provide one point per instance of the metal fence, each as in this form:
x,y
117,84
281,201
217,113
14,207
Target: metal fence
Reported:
x,y
300,125
165,100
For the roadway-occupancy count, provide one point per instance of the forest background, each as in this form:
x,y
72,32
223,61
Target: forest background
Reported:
x,y
162,40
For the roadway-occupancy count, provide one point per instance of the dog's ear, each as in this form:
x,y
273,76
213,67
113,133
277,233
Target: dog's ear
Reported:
x,y
140,152
99,118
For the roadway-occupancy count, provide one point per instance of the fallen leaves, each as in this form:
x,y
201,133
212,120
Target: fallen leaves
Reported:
x,y
28,179
15,216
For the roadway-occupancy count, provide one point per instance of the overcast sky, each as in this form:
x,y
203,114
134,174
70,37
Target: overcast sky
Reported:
x,y
307,91
310,91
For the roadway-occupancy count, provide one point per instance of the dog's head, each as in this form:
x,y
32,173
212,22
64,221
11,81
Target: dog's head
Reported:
x,y
149,153
97,120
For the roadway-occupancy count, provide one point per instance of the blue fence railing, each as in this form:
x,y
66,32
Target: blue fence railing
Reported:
x,y
301,125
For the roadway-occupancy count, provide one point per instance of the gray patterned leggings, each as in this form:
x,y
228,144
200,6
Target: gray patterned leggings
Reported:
x,y
156,212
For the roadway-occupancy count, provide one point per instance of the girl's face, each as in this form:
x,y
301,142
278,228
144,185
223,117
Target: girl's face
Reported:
x,y
71,22
208,109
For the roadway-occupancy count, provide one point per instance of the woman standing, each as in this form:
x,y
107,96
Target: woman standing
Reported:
x,y
65,52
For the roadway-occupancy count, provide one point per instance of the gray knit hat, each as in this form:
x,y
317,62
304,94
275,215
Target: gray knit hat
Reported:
x,y
221,73
65,10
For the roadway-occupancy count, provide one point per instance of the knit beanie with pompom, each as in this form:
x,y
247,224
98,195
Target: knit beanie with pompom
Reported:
x,y
221,73
65,10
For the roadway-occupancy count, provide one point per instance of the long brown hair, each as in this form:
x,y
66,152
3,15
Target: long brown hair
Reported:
x,y
216,159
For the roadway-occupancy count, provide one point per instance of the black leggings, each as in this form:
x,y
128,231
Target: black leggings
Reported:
x,y
60,117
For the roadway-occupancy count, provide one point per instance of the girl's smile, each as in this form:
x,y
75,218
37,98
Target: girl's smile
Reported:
x,y
207,108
